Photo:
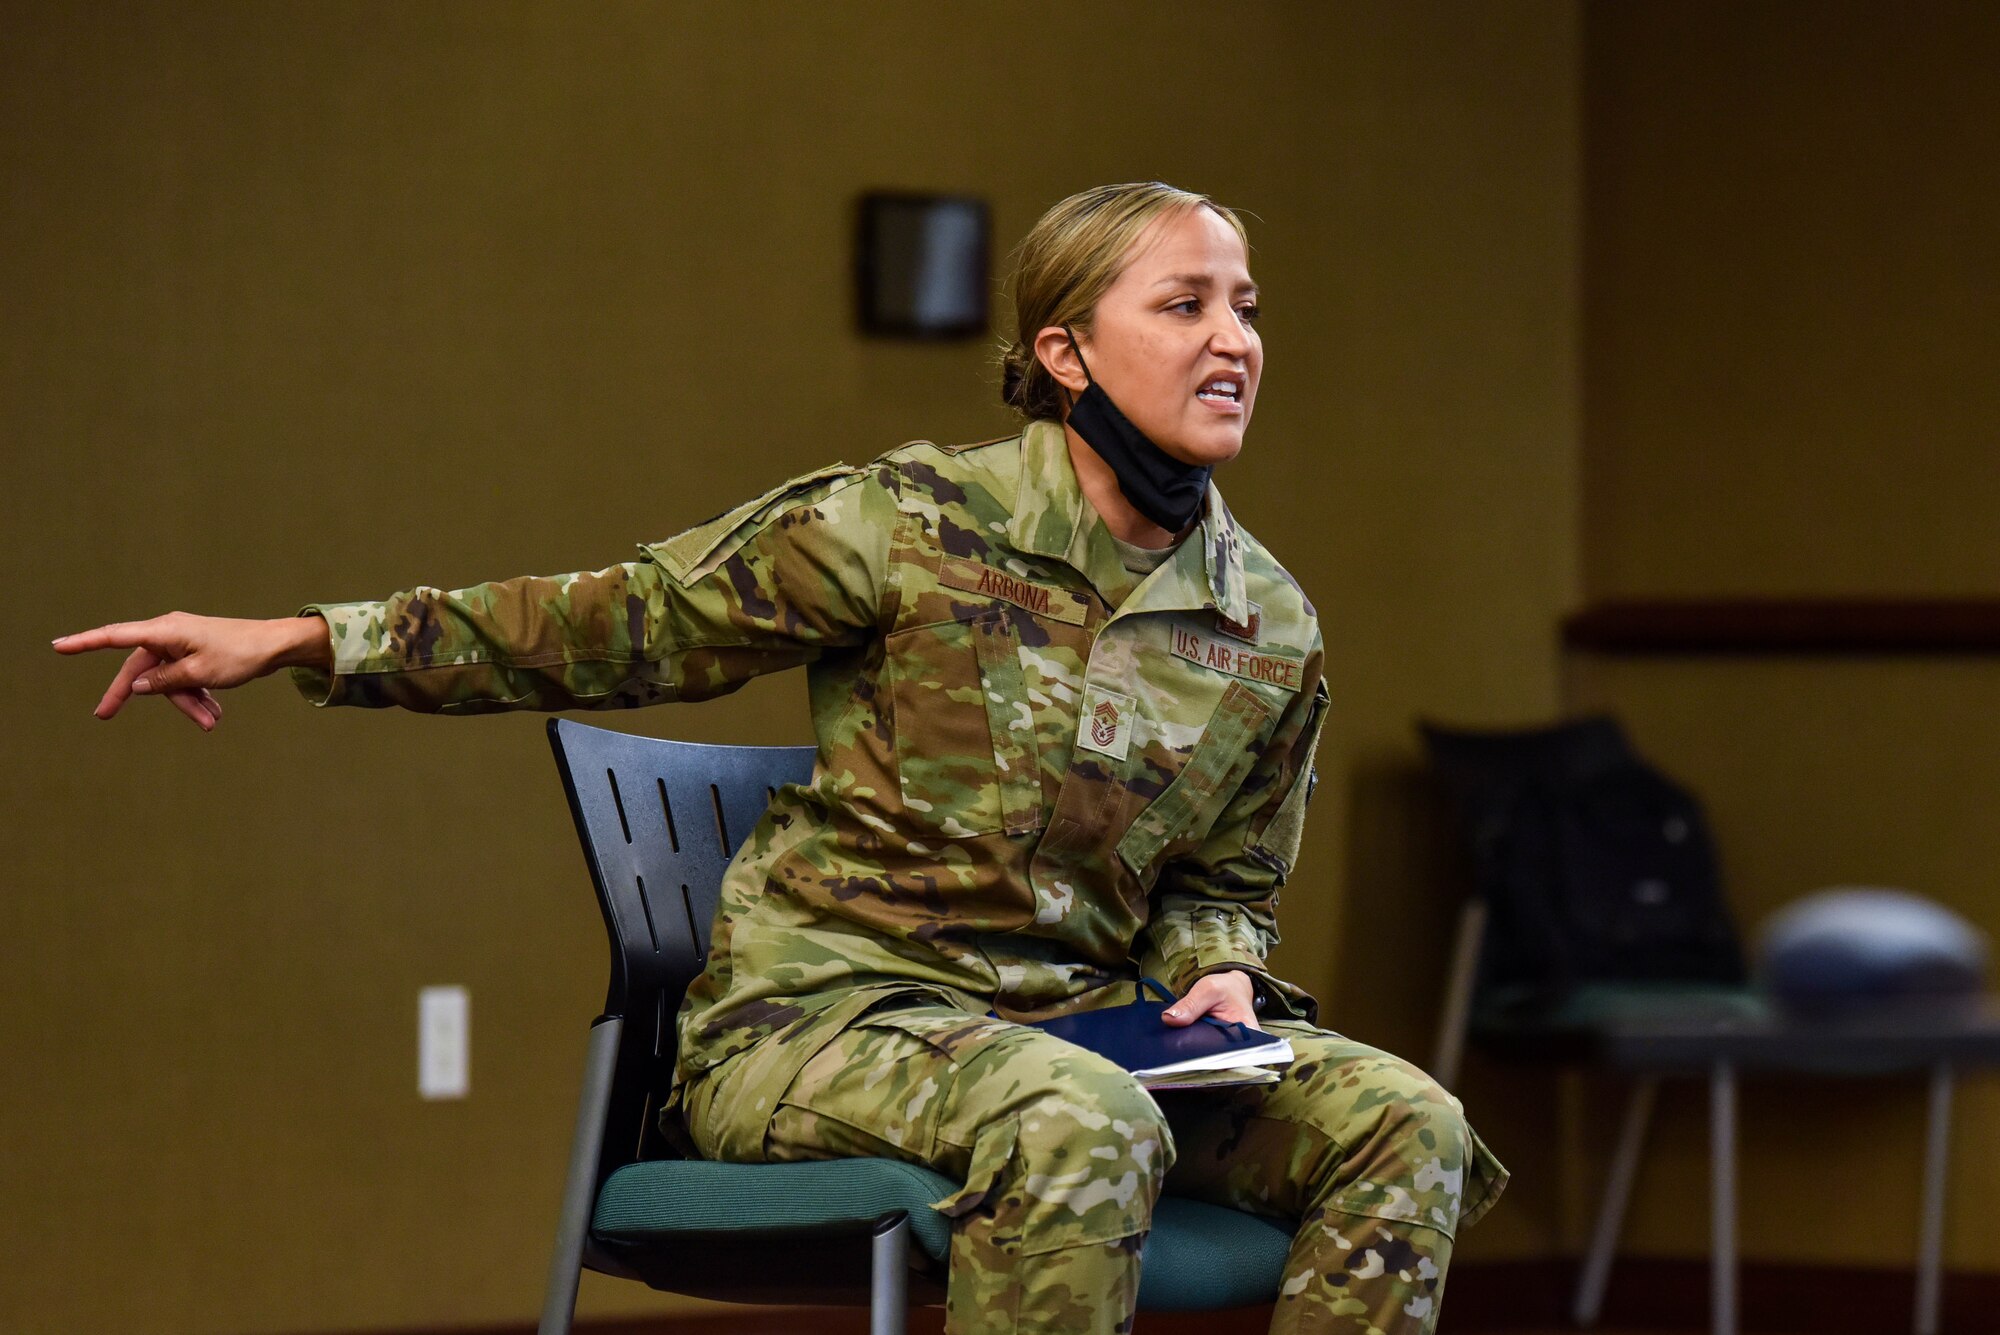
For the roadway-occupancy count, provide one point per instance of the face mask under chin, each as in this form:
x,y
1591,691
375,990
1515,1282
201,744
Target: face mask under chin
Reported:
x,y
1166,490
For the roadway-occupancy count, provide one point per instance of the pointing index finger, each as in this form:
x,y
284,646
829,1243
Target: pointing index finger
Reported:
x,y
117,635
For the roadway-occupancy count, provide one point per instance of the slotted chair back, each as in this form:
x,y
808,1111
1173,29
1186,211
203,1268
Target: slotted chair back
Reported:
x,y
659,821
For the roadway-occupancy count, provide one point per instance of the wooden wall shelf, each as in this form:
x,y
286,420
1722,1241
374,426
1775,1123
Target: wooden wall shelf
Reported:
x,y
1787,626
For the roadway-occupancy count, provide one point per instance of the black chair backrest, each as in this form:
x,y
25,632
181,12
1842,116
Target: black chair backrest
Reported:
x,y
1595,866
659,822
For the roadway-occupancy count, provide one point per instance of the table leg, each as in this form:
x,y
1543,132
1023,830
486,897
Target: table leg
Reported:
x,y
1930,1248
1722,1197
1611,1211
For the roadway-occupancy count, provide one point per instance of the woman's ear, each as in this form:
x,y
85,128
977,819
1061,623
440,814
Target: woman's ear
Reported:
x,y
1054,350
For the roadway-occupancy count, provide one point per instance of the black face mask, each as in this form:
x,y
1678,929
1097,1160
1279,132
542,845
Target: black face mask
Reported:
x,y
1160,487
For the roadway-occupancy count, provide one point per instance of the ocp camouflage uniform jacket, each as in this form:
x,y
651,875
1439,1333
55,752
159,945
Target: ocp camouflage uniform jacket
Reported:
x,y
1038,776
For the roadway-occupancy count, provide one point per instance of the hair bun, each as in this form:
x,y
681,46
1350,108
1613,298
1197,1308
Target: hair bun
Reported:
x,y
1012,377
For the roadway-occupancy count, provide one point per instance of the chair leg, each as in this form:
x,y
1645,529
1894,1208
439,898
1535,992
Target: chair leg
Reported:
x,y
1722,1196
1930,1248
579,1191
889,1277
1617,1193
1450,1047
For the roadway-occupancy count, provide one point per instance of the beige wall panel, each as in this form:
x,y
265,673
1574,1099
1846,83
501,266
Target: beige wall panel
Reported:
x,y
322,301
1793,298
1789,339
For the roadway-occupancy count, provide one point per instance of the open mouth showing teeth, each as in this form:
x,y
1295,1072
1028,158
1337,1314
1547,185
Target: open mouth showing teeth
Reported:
x,y
1220,392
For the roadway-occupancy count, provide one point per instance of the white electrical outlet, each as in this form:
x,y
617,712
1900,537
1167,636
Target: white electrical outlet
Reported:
x,y
444,1042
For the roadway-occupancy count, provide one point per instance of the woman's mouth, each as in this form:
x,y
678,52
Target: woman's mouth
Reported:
x,y
1222,395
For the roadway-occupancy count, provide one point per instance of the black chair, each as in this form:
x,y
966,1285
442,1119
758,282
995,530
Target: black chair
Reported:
x,y
1631,963
1572,926
659,821
1522,989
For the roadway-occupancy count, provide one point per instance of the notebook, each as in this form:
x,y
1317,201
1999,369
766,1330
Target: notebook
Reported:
x,y
1163,1056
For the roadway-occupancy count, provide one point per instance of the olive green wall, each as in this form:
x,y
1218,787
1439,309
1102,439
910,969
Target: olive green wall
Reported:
x,y
322,301
1791,333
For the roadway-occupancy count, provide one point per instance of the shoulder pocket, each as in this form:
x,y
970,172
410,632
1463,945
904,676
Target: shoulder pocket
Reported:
x,y
1190,804
702,548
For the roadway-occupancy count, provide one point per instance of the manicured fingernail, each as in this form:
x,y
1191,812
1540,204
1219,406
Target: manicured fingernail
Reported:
x,y
142,687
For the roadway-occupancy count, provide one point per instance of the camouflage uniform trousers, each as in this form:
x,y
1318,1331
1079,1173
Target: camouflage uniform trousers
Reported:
x,y
1063,1154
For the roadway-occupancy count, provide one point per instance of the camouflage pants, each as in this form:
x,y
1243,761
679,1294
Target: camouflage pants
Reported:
x,y
1063,1154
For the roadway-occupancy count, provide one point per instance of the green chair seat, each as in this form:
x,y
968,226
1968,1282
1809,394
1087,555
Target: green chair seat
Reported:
x,y
1202,1256
1504,1021
1197,1256
660,1199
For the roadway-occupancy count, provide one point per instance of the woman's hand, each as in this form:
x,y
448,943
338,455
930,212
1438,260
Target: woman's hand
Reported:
x,y
1229,995
181,656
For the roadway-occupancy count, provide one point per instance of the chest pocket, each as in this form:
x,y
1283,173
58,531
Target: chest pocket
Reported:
x,y
967,762
1186,809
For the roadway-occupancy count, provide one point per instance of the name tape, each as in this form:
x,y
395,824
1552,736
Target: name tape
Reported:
x,y
1042,599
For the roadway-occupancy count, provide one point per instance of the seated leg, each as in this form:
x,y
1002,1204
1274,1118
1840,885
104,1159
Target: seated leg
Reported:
x,y
1371,1158
1060,1151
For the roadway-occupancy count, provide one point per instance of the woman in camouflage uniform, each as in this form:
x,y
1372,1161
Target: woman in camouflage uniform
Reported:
x,y
1066,710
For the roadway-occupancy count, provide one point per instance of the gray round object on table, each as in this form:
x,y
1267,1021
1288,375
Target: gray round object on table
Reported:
x,y
1859,952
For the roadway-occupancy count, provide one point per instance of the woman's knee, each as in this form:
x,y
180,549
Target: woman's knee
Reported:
x,y
1403,1138
1342,1087
1094,1118
1072,1109
1064,1152
1093,1155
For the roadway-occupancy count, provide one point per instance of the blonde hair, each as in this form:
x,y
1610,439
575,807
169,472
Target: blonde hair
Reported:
x,y
1065,264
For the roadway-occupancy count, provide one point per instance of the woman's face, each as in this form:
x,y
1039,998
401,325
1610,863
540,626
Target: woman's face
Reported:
x,y
1174,341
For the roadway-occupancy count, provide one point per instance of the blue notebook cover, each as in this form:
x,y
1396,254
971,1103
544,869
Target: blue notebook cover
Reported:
x,y
1138,1038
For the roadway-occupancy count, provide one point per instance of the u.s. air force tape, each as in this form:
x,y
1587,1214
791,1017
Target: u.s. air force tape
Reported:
x,y
1236,659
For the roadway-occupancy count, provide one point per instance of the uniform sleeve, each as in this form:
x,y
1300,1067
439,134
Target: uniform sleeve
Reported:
x,y
769,585
1216,908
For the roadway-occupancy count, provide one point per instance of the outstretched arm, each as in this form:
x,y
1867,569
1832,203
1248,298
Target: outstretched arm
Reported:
x,y
768,585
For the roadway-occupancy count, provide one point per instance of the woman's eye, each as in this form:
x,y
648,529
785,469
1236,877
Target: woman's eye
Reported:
x,y
1192,305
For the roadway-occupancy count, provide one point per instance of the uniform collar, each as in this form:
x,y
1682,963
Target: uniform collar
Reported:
x,y
1053,518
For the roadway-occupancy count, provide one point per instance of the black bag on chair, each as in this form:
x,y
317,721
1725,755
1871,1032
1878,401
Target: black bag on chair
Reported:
x,y
1595,867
